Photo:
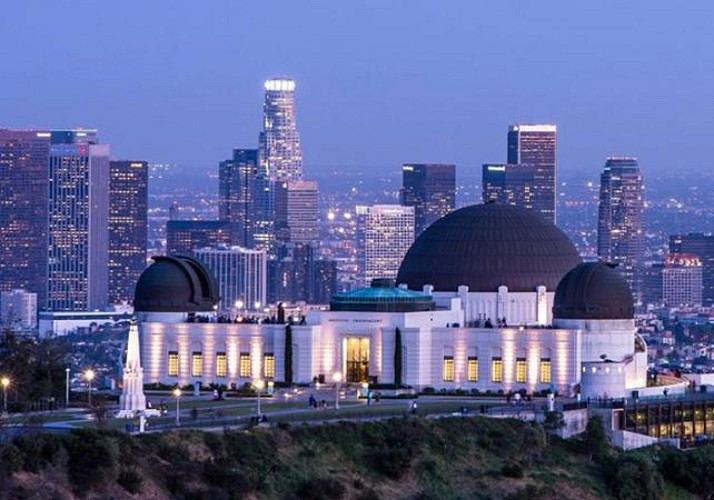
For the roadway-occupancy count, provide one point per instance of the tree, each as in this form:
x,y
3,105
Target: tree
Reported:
x,y
595,439
398,357
552,423
288,354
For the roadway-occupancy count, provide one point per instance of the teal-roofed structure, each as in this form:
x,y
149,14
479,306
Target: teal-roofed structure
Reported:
x,y
382,296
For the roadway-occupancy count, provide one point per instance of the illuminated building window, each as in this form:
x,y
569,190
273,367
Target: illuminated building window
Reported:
x,y
448,368
197,364
521,370
173,364
269,365
472,369
244,365
496,370
221,364
545,376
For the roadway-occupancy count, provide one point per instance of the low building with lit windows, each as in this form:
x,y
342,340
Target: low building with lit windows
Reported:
x,y
491,297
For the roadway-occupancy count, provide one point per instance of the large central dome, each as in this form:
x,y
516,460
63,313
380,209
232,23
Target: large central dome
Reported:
x,y
486,246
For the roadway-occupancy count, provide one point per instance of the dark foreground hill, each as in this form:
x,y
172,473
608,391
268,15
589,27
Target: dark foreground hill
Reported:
x,y
400,458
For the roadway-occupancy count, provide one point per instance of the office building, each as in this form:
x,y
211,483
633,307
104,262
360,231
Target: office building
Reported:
x,y
24,185
280,150
237,182
535,146
18,310
78,236
296,212
241,275
682,281
128,208
621,218
185,236
508,184
431,189
701,245
297,274
384,234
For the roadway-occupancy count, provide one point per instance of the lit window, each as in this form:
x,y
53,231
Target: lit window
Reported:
x,y
521,370
221,364
545,376
448,368
269,365
472,369
496,370
173,364
245,365
197,364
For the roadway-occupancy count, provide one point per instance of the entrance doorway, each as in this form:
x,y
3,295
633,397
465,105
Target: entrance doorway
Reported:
x,y
356,359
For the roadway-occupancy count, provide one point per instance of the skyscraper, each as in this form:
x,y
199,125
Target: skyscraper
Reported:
x,y
281,154
237,183
24,183
535,146
240,273
296,212
297,274
508,184
185,236
431,189
682,281
128,207
78,238
385,233
701,245
621,217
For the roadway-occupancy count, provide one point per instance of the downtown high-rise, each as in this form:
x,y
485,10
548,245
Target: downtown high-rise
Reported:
x,y
128,212
239,198
701,245
78,211
24,181
431,189
621,218
296,212
508,184
280,150
534,146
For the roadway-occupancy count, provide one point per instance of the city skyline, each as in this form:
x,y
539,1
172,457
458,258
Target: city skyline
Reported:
x,y
379,91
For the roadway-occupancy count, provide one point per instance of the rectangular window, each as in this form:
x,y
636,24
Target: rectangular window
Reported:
x,y
197,364
521,370
221,364
269,365
496,370
545,376
244,365
472,369
448,368
173,364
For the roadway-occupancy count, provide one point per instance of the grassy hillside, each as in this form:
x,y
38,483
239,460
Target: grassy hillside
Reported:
x,y
400,458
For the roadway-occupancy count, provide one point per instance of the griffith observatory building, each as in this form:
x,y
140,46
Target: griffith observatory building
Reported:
x,y
490,297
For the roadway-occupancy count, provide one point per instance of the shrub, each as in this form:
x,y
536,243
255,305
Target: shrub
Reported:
x,y
512,469
428,390
393,462
321,488
131,480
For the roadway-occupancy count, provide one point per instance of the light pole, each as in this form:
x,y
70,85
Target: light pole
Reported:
x,y
66,387
177,395
239,307
5,382
89,375
337,377
259,384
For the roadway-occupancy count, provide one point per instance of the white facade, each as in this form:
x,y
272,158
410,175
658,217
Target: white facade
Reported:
x,y
241,275
280,149
682,285
385,234
18,309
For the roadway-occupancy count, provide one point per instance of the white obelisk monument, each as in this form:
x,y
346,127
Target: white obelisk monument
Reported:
x,y
132,399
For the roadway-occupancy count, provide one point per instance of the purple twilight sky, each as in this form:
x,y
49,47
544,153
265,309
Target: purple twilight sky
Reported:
x,y
380,82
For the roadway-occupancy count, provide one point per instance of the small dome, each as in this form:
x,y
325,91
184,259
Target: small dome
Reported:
x,y
593,290
382,296
175,284
487,246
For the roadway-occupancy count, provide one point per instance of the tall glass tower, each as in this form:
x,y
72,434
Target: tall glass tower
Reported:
x,y
431,189
281,154
621,218
535,147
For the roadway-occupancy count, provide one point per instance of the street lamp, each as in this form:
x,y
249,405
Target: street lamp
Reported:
x,y
239,307
66,387
5,382
89,375
259,385
177,395
257,305
337,377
